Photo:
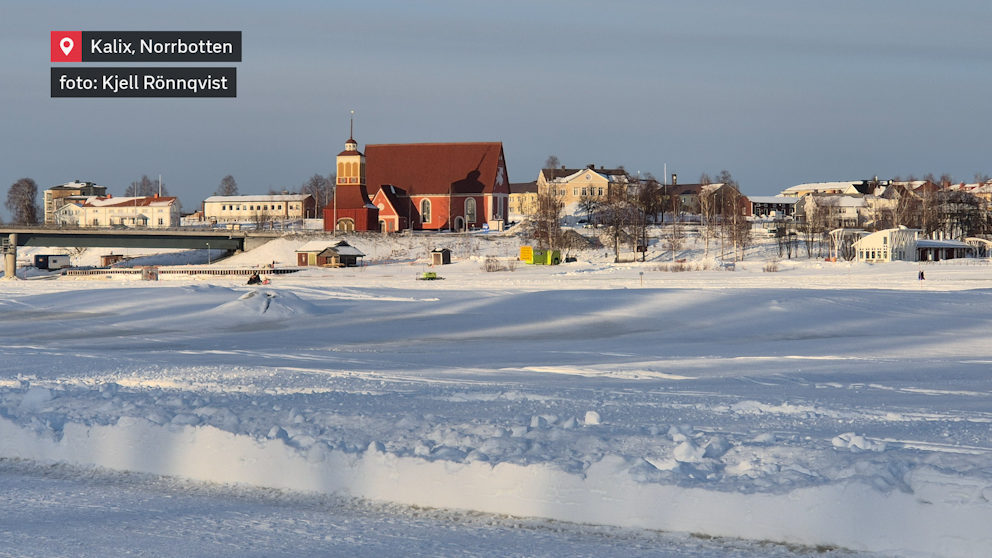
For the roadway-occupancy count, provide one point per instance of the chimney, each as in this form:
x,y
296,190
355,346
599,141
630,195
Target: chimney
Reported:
x,y
563,167
675,179
155,195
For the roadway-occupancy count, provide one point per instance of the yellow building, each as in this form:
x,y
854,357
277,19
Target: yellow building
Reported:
x,y
572,185
523,198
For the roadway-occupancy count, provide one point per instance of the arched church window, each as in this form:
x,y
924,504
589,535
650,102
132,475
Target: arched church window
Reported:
x,y
425,211
470,210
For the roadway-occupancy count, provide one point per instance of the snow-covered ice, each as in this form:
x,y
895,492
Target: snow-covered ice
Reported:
x,y
833,405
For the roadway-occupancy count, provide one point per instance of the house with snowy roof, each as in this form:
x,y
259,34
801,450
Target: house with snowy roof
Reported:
x,y
57,196
902,244
328,253
153,212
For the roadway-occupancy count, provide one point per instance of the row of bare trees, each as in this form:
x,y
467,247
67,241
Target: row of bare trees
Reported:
x,y
629,209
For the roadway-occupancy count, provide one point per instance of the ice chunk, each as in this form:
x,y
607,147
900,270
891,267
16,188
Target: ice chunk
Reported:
x,y
592,418
716,447
35,399
687,452
186,418
277,433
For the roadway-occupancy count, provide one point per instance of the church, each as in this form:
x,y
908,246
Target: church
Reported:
x,y
350,208
420,186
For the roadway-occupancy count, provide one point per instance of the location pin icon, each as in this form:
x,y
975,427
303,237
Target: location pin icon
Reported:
x,y
66,45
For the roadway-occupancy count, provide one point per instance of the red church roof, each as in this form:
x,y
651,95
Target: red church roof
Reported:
x,y
437,168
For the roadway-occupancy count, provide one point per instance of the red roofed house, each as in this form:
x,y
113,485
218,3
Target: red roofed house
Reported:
x,y
351,208
438,186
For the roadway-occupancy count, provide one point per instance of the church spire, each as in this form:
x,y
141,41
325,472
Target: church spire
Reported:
x,y
351,144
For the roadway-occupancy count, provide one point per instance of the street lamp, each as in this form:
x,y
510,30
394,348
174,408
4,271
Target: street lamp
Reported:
x,y
208,253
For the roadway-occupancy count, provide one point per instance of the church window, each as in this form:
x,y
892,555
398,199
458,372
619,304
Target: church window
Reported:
x,y
470,210
425,211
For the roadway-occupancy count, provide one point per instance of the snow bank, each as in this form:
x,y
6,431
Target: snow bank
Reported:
x,y
939,515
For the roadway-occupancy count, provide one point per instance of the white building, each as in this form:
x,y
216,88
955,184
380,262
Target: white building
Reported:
x,y
247,209
153,212
906,245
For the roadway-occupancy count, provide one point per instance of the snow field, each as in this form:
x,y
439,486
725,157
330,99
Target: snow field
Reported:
x,y
823,405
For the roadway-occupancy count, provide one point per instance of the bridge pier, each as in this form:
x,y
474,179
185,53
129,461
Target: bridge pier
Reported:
x,y
10,259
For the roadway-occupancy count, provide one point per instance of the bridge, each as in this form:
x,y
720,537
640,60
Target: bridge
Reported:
x,y
189,239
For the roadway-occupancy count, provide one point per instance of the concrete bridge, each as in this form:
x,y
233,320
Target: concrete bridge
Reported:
x,y
190,239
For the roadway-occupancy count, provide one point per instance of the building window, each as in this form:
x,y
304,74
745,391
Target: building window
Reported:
x,y
160,222
470,210
425,211
584,192
575,191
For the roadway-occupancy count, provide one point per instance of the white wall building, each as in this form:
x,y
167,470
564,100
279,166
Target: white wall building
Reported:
x,y
153,212
247,209
906,245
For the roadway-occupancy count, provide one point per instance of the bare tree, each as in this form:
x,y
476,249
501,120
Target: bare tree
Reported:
x,y
617,214
550,208
228,187
708,205
321,188
733,219
588,205
260,218
675,237
22,202
547,220
145,187
648,204
785,237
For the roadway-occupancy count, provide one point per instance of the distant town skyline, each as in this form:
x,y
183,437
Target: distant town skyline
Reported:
x,y
775,92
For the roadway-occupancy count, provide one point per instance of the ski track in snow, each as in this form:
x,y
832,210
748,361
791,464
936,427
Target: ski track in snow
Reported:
x,y
751,386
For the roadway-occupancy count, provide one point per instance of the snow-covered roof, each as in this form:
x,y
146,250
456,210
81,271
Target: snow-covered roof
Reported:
x,y
265,198
927,243
341,247
773,199
346,250
144,201
316,246
821,186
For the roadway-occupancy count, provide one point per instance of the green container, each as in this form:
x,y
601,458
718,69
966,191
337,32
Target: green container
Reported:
x,y
547,257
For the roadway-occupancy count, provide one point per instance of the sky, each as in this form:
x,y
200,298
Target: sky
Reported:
x,y
776,92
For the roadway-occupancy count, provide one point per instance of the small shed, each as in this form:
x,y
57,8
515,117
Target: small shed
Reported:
x,y
328,254
110,259
341,254
440,257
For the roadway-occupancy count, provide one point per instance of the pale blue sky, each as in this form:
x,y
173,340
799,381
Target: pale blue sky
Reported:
x,y
777,92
